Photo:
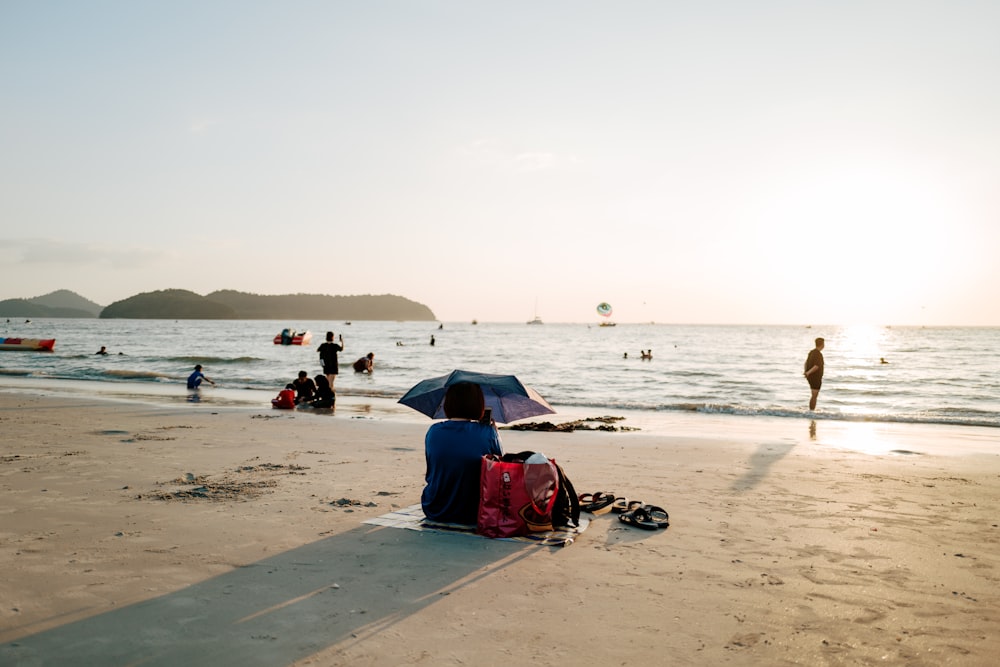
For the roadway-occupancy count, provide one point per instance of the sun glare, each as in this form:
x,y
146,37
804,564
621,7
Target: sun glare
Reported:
x,y
868,227
860,343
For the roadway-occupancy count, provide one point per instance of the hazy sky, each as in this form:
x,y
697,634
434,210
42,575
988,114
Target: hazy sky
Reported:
x,y
691,162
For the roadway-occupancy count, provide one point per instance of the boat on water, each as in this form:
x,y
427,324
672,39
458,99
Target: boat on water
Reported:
x,y
27,344
608,324
293,337
536,319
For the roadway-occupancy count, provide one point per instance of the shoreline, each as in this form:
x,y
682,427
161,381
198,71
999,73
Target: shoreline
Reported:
x,y
782,549
869,437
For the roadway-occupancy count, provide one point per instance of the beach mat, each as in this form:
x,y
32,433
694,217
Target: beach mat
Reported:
x,y
412,518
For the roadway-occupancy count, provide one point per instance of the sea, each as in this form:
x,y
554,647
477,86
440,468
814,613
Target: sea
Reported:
x,y
922,375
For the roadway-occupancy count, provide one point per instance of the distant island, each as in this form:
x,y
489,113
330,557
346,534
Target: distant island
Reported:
x,y
176,304
61,303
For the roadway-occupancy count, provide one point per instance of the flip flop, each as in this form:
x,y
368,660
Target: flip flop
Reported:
x,y
638,518
600,502
657,515
620,505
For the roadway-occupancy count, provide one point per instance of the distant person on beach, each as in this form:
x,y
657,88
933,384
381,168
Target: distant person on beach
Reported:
x,y
647,354
365,364
882,360
324,398
285,399
453,450
194,380
814,371
432,340
328,356
305,388
103,351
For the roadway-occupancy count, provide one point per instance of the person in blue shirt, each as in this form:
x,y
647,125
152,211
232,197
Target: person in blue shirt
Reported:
x,y
454,450
194,380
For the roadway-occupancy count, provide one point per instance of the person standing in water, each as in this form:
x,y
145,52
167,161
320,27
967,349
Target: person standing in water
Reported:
x,y
814,371
328,356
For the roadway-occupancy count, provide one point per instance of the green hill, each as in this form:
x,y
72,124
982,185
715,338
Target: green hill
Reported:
x,y
323,307
171,304
61,303
67,300
229,304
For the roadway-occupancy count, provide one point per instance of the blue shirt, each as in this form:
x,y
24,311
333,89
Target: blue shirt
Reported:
x,y
454,451
195,379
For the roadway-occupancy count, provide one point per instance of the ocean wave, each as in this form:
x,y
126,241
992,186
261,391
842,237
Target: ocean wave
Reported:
x,y
943,417
962,418
209,361
136,375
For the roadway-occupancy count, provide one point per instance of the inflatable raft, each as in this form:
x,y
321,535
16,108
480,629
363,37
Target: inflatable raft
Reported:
x,y
27,344
293,337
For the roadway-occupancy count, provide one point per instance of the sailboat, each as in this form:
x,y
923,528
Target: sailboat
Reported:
x,y
536,319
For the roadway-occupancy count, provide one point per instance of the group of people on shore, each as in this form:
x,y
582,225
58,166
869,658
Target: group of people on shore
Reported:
x,y
303,391
319,392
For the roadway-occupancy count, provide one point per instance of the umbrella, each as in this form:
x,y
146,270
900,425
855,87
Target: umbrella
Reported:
x,y
509,399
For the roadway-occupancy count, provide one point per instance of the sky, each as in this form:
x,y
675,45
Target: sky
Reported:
x,y
773,162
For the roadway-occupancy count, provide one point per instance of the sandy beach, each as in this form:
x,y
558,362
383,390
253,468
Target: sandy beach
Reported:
x,y
163,535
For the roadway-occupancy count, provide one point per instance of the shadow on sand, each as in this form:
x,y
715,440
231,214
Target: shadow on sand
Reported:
x,y
760,463
279,610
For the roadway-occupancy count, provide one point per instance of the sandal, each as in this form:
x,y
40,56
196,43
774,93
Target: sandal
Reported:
x,y
597,503
620,505
657,515
647,517
638,518
623,504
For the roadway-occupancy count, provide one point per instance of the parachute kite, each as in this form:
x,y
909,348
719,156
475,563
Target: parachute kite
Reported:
x,y
604,309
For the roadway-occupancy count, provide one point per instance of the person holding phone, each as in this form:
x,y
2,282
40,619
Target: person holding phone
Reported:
x,y
328,357
454,450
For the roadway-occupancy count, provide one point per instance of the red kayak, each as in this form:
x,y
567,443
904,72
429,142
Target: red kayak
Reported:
x,y
27,344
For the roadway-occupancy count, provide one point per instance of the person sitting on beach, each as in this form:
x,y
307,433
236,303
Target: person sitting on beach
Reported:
x,y
453,450
285,399
103,351
194,380
305,388
324,398
365,364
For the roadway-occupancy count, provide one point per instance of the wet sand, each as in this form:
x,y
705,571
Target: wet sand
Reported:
x,y
198,534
